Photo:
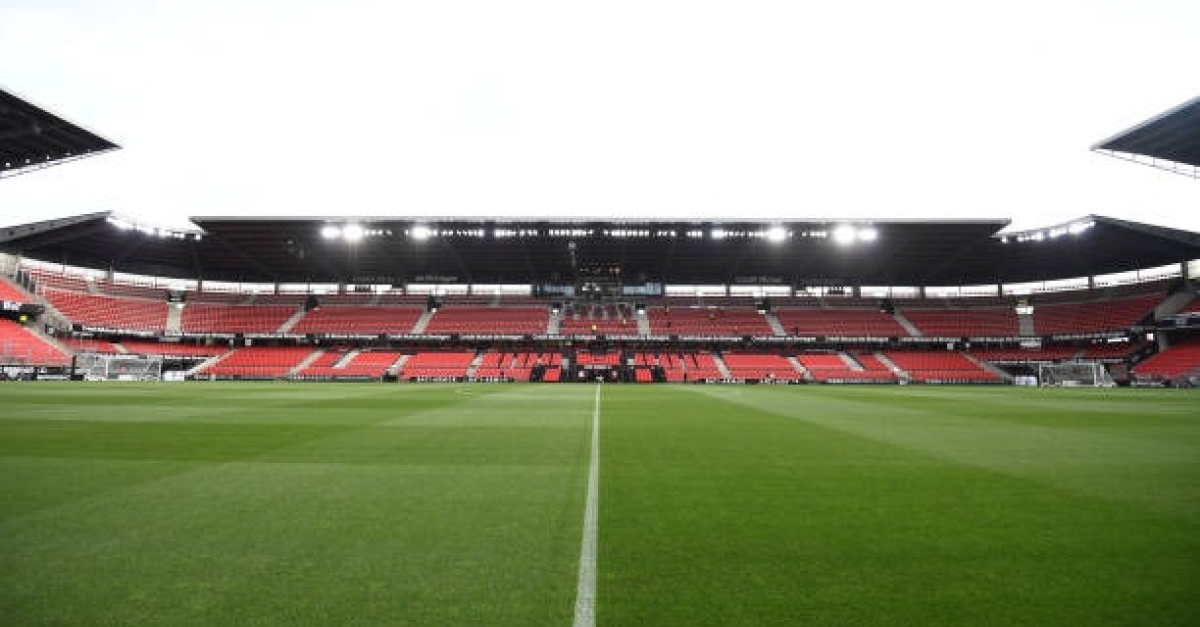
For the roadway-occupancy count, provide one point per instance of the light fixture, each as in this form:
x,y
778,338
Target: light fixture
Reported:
x,y
330,231
776,234
353,232
844,234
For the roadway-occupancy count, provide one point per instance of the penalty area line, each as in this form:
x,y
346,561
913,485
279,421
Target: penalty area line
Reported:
x,y
585,597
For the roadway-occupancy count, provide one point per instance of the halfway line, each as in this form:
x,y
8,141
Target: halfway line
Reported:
x,y
585,598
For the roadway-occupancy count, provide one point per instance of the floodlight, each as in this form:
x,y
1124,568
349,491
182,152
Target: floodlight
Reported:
x,y
353,232
868,235
776,234
421,232
719,233
330,231
844,234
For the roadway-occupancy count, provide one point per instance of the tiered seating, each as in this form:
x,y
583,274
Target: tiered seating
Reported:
x,y
489,321
584,358
19,345
708,322
833,368
359,320
1095,317
760,366
844,322
347,298
671,363
110,312
114,288
599,320
214,318
702,366
363,365
516,366
171,349
990,322
1025,355
1115,351
940,367
46,279
1192,308
259,362
400,298
871,363
219,298
1178,360
438,365
292,300
11,293
89,345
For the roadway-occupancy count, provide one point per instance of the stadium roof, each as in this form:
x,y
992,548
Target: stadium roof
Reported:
x,y
33,138
1173,136
384,250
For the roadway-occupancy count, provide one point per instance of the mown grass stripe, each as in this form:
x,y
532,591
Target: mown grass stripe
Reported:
x,y
585,600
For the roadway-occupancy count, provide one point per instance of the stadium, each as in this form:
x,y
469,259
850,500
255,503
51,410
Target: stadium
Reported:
x,y
379,420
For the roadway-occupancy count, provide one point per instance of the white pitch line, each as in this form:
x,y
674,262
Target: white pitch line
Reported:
x,y
585,598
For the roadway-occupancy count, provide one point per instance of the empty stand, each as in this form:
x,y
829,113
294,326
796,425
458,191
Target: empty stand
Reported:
x,y
350,365
1180,359
110,312
220,318
20,346
437,365
259,362
12,293
989,322
1093,317
840,368
760,366
171,349
841,322
940,367
707,322
489,321
359,320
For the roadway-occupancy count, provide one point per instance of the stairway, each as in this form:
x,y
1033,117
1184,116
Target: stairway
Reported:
x,y
799,367
174,324
1025,325
422,322
776,327
907,324
722,367
643,324
987,366
290,322
313,356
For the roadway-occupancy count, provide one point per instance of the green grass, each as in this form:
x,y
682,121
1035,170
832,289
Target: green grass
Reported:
x,y
366,504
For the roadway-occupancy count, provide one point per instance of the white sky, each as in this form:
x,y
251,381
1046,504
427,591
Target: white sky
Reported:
x,y
647,108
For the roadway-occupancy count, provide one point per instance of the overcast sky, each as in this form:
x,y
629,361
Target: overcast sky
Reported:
x,y
656,109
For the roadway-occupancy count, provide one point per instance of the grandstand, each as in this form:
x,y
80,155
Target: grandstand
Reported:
x,y
777,328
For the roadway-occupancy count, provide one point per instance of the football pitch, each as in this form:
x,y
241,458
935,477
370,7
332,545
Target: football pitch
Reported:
x,y
442,504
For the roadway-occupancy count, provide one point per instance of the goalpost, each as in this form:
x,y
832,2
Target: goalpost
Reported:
x,y
1081,374
103,367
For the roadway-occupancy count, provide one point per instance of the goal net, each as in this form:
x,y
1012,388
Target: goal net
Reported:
x,y
1091,374
101,367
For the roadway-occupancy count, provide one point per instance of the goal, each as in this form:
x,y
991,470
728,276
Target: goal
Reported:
x,y
102,367
1084,373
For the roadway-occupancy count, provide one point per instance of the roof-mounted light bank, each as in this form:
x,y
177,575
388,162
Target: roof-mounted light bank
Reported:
x,y
1052,233
352,232
842,234
125,224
